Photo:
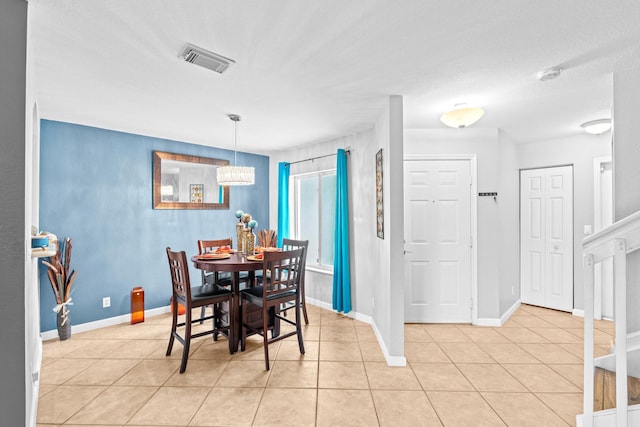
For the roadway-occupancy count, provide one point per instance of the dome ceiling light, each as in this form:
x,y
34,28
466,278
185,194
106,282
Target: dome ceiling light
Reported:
x,y
596,127
461,116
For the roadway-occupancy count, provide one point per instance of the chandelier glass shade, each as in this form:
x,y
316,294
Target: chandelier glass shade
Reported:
x,y
461,116
233,174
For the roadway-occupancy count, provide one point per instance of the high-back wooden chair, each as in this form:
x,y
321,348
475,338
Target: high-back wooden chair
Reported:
x,y
280,286
289,244
205,246
190,298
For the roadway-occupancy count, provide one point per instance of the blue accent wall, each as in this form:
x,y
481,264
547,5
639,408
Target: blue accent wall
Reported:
x,y
96,186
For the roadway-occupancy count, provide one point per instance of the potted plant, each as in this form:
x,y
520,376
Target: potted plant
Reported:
x,y
61,281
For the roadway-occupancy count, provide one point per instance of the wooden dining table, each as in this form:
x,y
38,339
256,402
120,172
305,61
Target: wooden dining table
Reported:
x,y
234,264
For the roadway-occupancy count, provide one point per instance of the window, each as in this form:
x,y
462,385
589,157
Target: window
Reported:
x,y
314,215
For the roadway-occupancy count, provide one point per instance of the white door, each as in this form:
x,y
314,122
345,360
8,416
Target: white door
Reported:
x,y
603,218
437,241
546,237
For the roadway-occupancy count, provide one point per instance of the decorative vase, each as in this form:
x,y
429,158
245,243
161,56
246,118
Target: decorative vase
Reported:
x,y
240,235
249,242
64,330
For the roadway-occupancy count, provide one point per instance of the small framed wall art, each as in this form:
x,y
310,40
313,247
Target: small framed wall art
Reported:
x,y
197,193
379,196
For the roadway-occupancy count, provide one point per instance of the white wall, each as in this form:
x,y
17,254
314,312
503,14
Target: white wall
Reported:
x,y
579,151
483,143
375,296
626,170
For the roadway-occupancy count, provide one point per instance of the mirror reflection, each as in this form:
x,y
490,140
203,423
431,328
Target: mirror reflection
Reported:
x,y
187,182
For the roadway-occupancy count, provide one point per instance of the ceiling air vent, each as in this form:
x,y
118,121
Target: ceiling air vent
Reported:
x,y
204,58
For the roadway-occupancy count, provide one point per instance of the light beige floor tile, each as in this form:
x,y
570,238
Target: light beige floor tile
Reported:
x,y
345,375
397,408
534,322
333,333
599,337
287,407
150,372
228,407
64,401
171,406
441,377
176,353
416,333
96,349
293,374
485,335
365,333
44,389
104,372
511,323
331,318
62,370
522,335
557,335
139,349
463,409
447,335
523,409
508,353
199,373
574,373
254,350
541,378
371,351
490,377
466,353
116,405
290,350
348,408
211,350
244,374
551,353
424,352
566,405
346,351
384,377
56,348
564,321
309,333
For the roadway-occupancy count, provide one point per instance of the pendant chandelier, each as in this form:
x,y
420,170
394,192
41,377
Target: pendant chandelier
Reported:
x,y
234,174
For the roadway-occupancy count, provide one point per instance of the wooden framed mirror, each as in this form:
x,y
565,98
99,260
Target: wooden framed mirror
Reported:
x,y
187,182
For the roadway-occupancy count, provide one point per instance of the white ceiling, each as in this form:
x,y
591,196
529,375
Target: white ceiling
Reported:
x,y
308,71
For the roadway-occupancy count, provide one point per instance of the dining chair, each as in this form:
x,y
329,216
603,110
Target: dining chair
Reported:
x,y
191,298
220,279
287,245
279,287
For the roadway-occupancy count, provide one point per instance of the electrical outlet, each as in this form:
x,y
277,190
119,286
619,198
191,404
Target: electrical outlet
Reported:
x,y
106,302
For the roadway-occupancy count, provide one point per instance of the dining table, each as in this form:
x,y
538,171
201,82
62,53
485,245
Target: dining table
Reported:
x,y
235,263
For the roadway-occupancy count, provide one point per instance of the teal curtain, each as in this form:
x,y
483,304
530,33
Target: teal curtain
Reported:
x,y
341,268
283,201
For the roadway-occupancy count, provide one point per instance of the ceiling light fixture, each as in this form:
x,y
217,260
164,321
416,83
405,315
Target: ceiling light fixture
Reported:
x,y
549,74
596,127
461,116
234,174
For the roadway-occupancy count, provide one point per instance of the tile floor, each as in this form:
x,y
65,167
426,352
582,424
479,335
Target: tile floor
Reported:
x,y
526,373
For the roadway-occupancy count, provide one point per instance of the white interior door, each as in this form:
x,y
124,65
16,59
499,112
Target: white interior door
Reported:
x,y
546,237
437,241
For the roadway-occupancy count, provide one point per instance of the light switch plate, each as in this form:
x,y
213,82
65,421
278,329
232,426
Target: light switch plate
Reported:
x,y
587,230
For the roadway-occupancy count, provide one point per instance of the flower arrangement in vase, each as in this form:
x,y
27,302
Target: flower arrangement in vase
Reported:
x,y
61,281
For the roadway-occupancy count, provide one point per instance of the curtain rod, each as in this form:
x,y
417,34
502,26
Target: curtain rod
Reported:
x,y
347,151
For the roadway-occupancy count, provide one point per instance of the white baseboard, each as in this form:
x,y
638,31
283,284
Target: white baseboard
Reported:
x,y
103,323
577,312
391,360
487,321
